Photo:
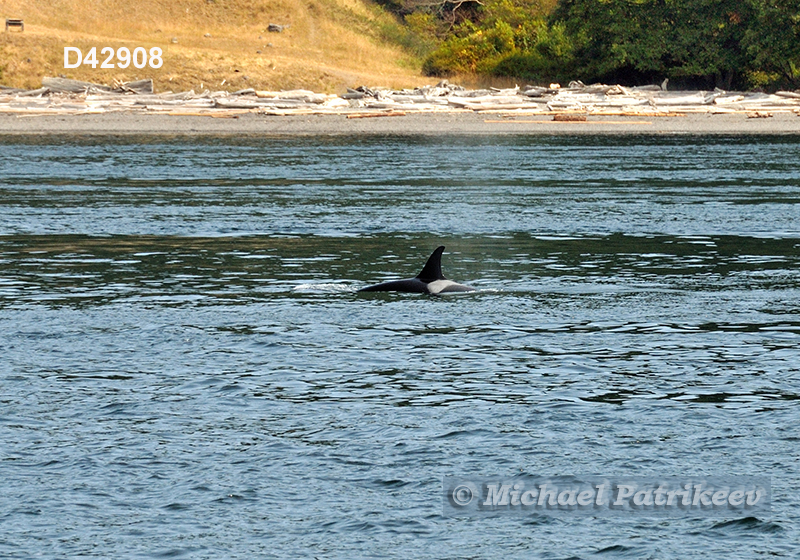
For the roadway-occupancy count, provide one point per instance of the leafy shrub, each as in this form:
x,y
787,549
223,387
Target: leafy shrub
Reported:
x,y
477,51
695,43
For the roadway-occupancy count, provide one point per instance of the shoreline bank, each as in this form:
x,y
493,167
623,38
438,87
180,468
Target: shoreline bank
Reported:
x,y
405,124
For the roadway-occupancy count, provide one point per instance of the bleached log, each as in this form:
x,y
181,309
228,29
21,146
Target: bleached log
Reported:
x,y
676,98
137,86
71,95
66,85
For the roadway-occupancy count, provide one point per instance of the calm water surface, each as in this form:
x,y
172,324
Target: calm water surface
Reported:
x,y
186,370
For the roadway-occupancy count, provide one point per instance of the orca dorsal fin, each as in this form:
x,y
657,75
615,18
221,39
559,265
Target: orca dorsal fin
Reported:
x,y
433,268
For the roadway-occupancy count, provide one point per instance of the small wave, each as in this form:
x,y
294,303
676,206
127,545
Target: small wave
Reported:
x,y
324,288
749,524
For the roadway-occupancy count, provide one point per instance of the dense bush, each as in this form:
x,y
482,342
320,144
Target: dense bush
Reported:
x,y
698,42
773,43
695,43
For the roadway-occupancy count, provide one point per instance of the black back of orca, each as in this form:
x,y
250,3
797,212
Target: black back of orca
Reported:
x,y
430,277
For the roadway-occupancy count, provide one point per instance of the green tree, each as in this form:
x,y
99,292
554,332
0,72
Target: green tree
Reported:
x,y
696,43
693,41
773,44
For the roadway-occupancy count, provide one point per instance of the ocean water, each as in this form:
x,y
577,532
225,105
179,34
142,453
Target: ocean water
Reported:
x,y
187,370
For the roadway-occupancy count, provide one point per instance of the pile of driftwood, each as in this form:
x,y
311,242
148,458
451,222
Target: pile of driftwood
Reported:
x,y
64,96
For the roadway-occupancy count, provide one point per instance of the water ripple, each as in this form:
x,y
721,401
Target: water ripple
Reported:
x,y
188,371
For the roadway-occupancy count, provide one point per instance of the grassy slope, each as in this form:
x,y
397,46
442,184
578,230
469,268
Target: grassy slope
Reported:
x,y
329,44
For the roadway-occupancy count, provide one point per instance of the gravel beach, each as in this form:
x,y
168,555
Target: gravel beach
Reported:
x,y
433,124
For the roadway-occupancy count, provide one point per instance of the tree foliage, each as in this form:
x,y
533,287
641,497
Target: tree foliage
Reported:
x,y
695,43
773,43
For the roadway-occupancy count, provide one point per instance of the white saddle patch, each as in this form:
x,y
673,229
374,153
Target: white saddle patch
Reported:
x,y
444,286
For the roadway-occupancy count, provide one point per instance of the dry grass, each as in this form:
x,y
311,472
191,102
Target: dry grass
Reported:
x,y
221,44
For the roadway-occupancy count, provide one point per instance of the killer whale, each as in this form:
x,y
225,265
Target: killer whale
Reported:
x,y
429,281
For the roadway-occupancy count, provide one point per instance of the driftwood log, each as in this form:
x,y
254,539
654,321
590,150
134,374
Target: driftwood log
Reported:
x,y
66,85
569,117
137,86
64,96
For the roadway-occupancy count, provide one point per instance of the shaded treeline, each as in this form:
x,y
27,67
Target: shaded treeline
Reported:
x,y
695,43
